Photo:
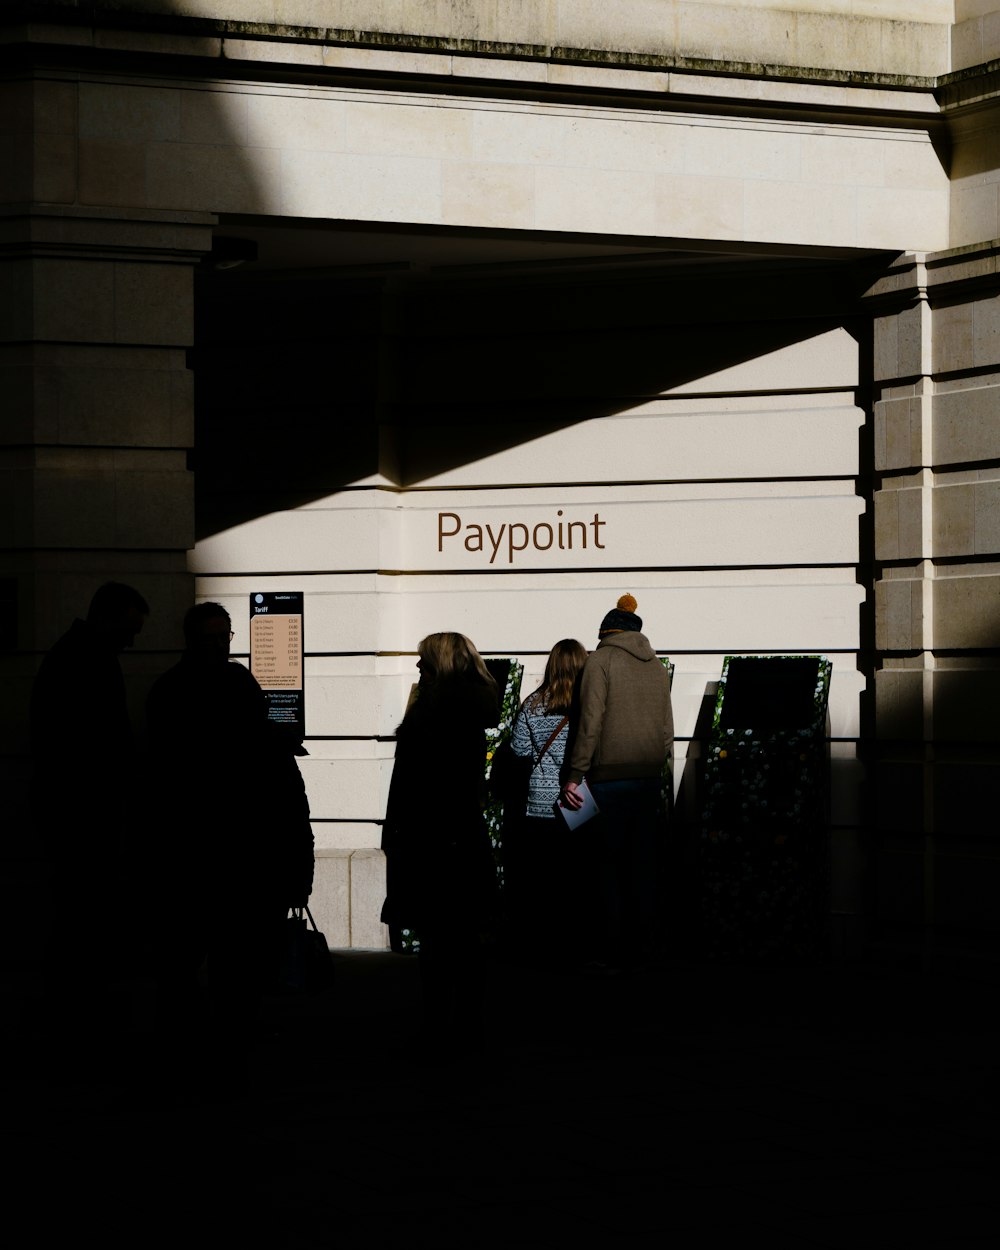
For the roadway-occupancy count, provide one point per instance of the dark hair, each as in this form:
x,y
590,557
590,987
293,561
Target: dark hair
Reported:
x,y
555,694
197,617
112,600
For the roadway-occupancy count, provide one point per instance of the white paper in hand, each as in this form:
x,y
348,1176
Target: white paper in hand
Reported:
x,y
585,813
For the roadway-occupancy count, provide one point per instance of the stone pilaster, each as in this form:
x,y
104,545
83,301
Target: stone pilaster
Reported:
x,y
97,314
937,593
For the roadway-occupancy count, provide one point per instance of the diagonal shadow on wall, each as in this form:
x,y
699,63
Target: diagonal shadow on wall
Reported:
x,y
306,384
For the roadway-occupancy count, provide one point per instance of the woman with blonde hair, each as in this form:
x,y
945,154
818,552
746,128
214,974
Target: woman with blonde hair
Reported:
x,y
537,857
440,877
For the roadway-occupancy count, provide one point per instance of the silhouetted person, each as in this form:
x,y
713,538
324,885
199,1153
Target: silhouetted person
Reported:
x,y
234,847
623,738
440,877
84,773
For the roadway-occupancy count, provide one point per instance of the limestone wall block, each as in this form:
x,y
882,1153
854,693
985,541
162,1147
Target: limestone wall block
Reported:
x,y
377,188
513,71
341,703
786,436
343,788
330,902
339,537
777,617
843,157
291,122
223,116
766,153
155,507
899,704
112,499
66,299
912,162
491,194
799,213
347,835
147,42
987,512
769,610
899,442
96,301
921,217
974,214
594,200
722,33
153,303
967,611
216,178
54,168
133,113
379,129
886,340
965,421
986,331
693,207
899,525
976,39
910,47
953,338
97,395
899,614
954,519
910,361
367,896
112,172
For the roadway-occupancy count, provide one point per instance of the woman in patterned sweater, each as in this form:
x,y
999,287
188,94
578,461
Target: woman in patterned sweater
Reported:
x,y
536,855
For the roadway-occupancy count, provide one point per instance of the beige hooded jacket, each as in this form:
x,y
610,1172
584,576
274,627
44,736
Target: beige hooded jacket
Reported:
x,y
626,725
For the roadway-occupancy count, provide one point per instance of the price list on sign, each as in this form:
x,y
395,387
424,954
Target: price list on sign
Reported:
x,y
276,653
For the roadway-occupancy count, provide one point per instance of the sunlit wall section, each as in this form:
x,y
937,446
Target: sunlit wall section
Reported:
x,y
546,447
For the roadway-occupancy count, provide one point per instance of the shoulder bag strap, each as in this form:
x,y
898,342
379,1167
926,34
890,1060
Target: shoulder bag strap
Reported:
x,y
552,737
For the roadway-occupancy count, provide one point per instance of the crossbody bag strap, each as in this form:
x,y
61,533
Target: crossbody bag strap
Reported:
x,y
552,737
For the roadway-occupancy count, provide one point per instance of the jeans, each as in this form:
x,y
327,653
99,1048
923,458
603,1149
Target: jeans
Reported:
x,y
627,837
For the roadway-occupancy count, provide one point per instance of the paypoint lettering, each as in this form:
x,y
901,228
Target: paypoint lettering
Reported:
x,y
512,537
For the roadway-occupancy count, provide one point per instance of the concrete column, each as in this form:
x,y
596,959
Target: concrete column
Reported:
x,y
937,522
96,313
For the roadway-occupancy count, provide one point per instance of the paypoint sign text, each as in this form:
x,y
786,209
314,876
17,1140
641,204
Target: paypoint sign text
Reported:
x,y
502,543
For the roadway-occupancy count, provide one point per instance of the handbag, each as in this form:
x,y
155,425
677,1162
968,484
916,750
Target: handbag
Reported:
x,y
307,965
508,783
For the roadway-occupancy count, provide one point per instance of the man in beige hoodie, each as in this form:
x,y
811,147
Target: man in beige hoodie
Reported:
x,y
623,737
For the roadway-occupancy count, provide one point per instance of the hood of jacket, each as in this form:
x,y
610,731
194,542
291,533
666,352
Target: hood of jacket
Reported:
x,y
636,644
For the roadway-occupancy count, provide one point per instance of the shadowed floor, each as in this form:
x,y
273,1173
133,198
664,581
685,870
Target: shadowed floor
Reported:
x,y
805,1107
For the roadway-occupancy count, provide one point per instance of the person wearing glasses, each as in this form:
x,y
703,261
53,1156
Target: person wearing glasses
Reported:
x,y
233,842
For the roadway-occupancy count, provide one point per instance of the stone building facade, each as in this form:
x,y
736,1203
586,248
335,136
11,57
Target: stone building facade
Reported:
x,y
714,285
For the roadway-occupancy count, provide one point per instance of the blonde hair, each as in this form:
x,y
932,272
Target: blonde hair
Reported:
x,y
555,694
453,658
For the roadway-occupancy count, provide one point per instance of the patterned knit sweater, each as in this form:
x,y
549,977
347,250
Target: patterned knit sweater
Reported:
x,y
532,729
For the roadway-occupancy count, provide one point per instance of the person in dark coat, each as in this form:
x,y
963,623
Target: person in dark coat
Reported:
x,y
235,847
440,877
84,789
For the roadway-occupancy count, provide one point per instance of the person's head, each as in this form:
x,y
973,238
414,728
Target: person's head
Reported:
x,y
117,613
563,667
208,631
451,658
622,618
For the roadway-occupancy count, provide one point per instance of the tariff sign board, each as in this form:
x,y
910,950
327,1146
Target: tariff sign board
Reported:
x,y
276,654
